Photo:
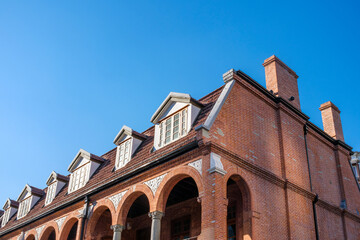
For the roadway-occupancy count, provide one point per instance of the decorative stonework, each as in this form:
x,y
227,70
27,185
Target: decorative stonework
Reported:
x,y
154,183
197,165
216,164
21,236
39,230
81,212
156,215
60,222
115,199
117,228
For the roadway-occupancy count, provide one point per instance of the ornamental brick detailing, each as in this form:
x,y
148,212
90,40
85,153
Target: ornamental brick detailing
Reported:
x,y
252,166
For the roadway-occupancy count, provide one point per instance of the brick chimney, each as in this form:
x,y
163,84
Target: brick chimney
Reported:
x,y
281,80
331,120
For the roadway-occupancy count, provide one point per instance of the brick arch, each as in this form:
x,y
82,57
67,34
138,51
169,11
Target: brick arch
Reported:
x,y
169,182
31,234
242,184
45,233
128,199
67,225
100,207
247,198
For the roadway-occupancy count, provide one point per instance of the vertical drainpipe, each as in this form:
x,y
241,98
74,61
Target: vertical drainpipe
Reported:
x,y
84,217
311,187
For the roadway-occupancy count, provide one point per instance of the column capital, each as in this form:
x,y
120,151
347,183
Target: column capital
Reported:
x,y
156,214
117,228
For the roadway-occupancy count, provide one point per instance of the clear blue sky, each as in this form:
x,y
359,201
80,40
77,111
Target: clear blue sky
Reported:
x,y
73,72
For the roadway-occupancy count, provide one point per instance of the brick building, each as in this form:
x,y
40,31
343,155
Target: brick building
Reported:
x,y
243,162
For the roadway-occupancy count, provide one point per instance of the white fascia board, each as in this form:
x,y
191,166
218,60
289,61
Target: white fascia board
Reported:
x,y
53,175
7,203
172,97
26,189
125,131
218,105
81,153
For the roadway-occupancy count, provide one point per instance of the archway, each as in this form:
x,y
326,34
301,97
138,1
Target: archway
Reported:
x,y
182,218
137,225
70,229
99,225
30,237
239,209
49,234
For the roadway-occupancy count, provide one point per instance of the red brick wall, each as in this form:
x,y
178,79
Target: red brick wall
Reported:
x,y
294,150
323,170
247,126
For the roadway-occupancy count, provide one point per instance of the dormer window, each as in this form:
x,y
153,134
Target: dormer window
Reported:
x,y
50,194
24,207
174,118
27,199
10,208
127,141
5,217
79,177
55,183
123,153
82,168
173,127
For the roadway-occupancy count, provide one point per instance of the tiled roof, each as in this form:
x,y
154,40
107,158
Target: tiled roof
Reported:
x,y
105,172
36,191
62,177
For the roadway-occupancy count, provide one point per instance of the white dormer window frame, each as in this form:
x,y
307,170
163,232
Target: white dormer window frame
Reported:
x,y
9,211
24,207
173,127
27,199
51,192
79,177
5,217
127,142
174,118
82,168
55,183
123,154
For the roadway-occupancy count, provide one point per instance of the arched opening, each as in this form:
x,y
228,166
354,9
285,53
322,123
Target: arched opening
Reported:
x,y
138,223
30,237
99,227
238,210
182,218
69,230
49,234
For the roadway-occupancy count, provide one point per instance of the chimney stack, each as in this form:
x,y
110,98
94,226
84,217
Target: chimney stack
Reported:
x,y
331,120
281,80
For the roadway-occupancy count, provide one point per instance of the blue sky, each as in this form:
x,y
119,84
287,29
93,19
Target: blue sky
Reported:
x,y
73,72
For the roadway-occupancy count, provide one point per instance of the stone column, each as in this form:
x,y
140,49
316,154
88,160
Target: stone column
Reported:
x,y
117,231
156,224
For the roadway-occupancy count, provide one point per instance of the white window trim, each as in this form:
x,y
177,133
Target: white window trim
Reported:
x,y
24,207
79,177
51,192
181,131
126,156
5,217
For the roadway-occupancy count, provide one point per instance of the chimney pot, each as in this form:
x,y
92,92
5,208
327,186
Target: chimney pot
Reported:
x,y
331,120
282,80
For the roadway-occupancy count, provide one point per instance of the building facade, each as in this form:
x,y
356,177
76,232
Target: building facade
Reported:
x,y
243,162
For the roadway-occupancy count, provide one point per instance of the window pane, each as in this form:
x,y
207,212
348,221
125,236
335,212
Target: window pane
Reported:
x,y
183,122
176,126
168,130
